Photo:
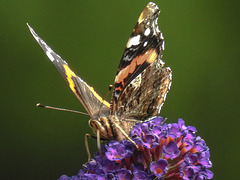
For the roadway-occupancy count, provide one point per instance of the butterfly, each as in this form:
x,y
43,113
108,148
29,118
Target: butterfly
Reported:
x,y
141,83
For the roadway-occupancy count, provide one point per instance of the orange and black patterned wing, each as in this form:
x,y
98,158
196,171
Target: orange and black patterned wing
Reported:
x,y
91,101
141,83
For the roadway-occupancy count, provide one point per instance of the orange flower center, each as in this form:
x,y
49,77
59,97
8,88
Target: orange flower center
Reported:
x,y
159,170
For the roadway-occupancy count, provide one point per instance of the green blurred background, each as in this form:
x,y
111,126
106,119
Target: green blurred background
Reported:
x,y
202,49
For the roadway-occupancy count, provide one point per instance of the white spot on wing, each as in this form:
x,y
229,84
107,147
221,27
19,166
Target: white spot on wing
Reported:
x,y
145,43
161,36
136,82
163,45
133,41
156,21
147,32
49,55
161,62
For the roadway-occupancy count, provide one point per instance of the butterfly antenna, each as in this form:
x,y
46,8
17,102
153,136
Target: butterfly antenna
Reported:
x,y
60,109
109,89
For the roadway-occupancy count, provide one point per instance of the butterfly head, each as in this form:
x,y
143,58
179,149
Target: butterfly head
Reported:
x,y
102,124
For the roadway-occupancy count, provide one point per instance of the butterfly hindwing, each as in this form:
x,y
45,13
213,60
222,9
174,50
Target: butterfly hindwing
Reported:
x,y
91,101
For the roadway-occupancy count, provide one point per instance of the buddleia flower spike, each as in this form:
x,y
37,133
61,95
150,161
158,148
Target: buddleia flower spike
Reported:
x,y
166,151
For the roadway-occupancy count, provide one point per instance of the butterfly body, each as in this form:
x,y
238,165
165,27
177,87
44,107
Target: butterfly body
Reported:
x,y
141,83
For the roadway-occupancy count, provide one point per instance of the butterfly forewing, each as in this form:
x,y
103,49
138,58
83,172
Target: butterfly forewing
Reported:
x,y
91,101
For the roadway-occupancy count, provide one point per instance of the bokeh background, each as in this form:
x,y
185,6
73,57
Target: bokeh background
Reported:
x,y
202,49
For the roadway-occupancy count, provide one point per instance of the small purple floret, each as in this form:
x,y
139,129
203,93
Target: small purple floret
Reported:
x,y
171,150
159,168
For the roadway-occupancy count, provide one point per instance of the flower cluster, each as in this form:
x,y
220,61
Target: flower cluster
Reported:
x,y
165,151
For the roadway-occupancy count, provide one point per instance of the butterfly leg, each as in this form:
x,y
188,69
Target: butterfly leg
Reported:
x,y
99,144
87,136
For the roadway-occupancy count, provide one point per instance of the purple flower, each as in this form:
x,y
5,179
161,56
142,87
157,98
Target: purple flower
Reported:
x,y
171,150
159,168
117,151
123,174
165,151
